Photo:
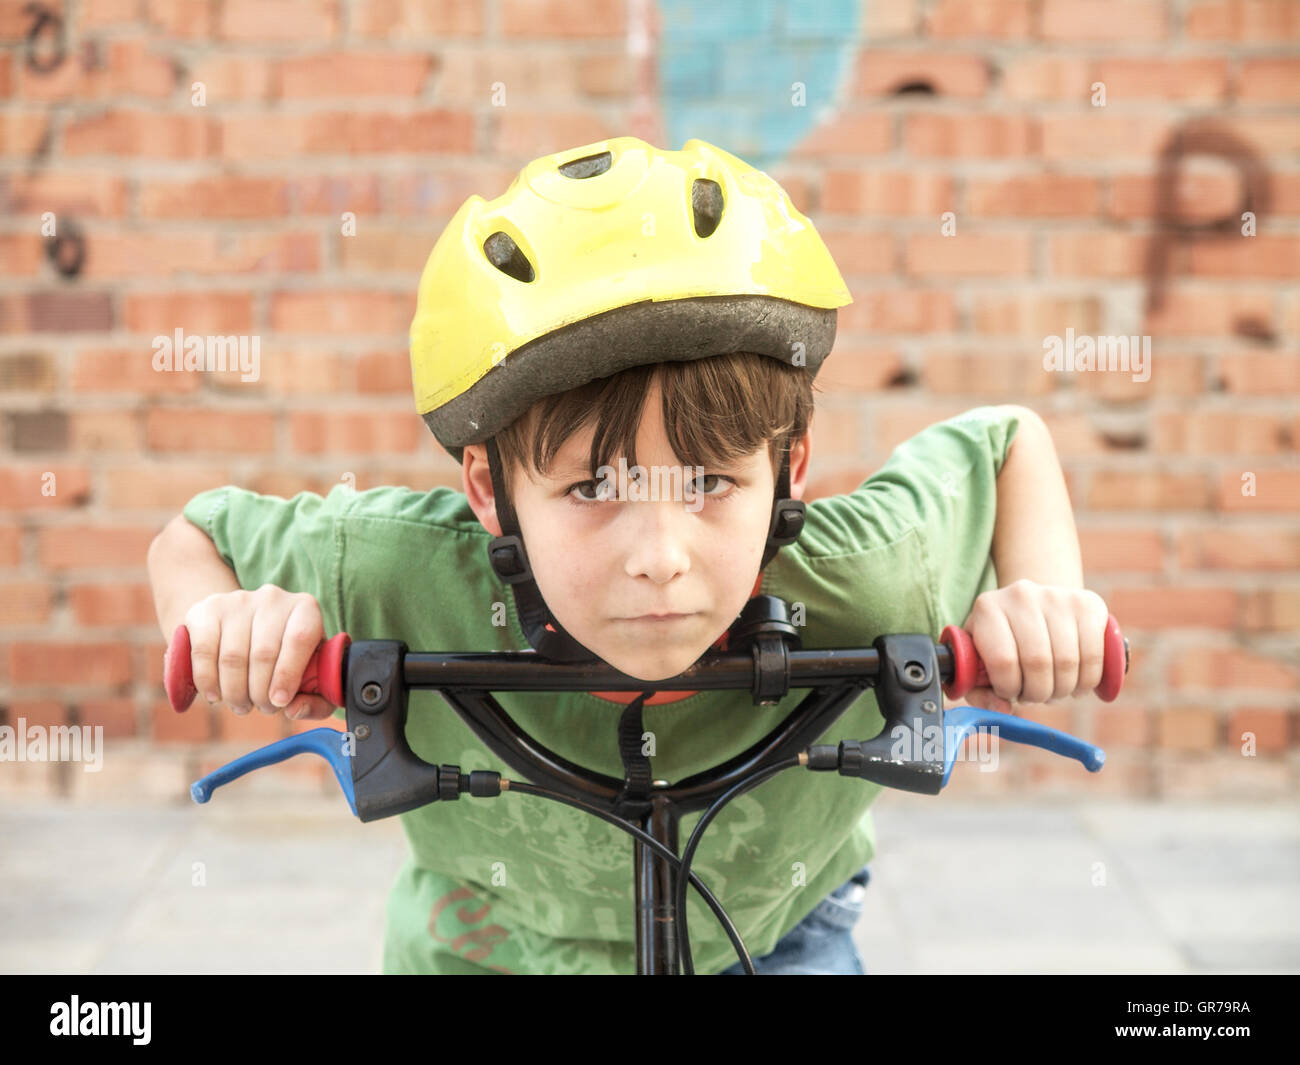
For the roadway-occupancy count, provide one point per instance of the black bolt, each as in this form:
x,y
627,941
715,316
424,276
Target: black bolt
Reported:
x,y
371,693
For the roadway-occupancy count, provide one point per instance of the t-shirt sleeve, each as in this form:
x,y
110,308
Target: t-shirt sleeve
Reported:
x,y
943,481
290,543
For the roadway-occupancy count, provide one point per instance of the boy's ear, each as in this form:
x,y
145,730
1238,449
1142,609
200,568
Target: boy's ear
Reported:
x,y
476,477
800,457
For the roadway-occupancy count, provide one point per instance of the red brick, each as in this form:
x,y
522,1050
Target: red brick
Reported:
x,y
1273,79
22,255
976,136
112,604
969,254
25,602
1272,135
1196,310
1270,609
266,253
1099,136
183,18
11,543
557,18
230,78
1224,667
113,256
158,486
1094,254
1120,21
1169,375
345,311
355,432
401,20
6,75
838,430
1252,549
865,133
69,663
199,312
295,21
21,132
1217,433
1270,728
1121,550
1199,79
44,713
1037,77
986,373
128,371
1121,726
871,191
264,135
1284,193
228,196
1147,490
1030,314
195,725
141,133
333,194
349,74
25,487
210,430
127,68
1276,491
1200,196
379,248
65,547
383,372
529,134
1268,21
858,251
254,729
80,193
605,77
105,430
1188,728
117,717
900,310
952,74
995,19
1162,606
1258,256
1033,195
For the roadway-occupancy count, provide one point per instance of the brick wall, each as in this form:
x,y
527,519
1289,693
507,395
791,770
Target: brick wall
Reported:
x,y
1069,212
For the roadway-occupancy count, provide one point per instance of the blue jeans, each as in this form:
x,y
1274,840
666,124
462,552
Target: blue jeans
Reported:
x,y
822,943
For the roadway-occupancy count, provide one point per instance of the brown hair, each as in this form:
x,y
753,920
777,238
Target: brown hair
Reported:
x,y
715,410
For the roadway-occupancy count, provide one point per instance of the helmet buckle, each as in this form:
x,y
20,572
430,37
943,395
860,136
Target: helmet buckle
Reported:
x,y
509,559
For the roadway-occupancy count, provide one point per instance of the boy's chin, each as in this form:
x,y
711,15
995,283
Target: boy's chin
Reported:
x,y
651,669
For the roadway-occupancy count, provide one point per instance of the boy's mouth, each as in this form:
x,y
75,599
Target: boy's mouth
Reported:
x,y
658,617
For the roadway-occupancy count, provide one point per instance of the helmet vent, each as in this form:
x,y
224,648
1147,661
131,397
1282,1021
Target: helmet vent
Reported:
x,y
504,254
587,166
706,202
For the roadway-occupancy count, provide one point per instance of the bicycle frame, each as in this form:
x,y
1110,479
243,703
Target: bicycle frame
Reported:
x,y
385,777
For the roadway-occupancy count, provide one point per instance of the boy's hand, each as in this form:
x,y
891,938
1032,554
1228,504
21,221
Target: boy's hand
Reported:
x,y
1037,642
248,647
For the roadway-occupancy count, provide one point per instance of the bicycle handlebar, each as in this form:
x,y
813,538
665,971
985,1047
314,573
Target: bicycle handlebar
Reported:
x,y
324,672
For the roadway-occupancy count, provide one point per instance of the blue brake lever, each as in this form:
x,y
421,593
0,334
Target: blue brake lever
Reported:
x,y
960,721
327,742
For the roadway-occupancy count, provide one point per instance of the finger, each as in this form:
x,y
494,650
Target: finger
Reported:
x,y
303,631
232,660
1034,649
204,627
267,633
1093,616
996,644
308,707
1063,634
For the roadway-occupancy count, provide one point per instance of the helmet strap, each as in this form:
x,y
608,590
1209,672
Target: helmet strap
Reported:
x,y
510,561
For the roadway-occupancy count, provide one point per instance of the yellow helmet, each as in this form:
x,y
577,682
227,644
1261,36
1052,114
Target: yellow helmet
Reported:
x,y
607,256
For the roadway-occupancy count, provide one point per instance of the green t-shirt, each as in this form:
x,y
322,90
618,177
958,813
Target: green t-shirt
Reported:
x,y
527,885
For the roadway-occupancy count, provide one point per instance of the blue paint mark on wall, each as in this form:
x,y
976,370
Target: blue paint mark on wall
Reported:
x,y
727,70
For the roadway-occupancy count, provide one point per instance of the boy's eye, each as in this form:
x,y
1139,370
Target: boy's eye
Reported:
x,y
707,484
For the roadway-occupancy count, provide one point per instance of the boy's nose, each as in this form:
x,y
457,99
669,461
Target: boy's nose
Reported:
x,y
658,539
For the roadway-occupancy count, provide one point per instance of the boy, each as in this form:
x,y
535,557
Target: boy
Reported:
x,y
666,309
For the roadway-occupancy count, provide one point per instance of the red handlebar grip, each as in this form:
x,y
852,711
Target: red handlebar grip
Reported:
x,y
968,671
323,675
